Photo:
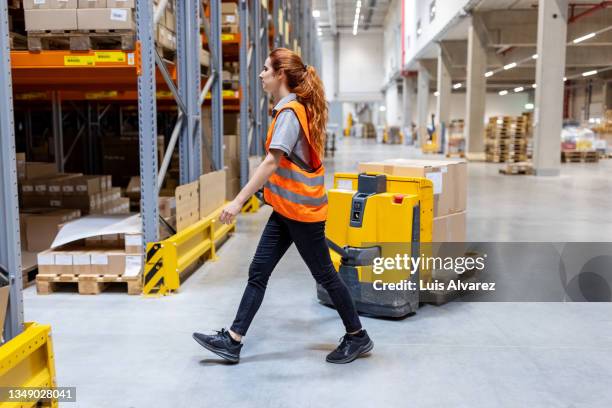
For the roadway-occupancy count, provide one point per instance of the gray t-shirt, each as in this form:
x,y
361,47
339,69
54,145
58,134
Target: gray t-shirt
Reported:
x,y
289,137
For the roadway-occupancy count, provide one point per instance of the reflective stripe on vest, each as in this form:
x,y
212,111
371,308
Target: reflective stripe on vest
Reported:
x,y
295,197
294,175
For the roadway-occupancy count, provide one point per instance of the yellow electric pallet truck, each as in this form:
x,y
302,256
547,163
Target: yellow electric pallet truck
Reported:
x,y
378,216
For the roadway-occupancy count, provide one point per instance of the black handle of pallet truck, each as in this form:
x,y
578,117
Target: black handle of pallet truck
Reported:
x,y
337,248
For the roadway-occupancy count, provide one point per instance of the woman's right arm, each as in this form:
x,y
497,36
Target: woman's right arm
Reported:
x,y
259,178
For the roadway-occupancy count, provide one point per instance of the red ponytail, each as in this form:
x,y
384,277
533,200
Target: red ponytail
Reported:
x,y
308,87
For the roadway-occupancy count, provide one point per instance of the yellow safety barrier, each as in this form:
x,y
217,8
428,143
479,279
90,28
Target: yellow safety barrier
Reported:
x,y
252,205
168,259
27,361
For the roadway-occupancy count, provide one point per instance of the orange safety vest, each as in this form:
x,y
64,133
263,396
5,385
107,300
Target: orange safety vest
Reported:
x,y
293,192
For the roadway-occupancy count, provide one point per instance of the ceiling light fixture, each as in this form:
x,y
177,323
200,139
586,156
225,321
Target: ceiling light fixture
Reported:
x,y
519,89
589,73
489,74
504,92
316,13
510,66
584,38
457,85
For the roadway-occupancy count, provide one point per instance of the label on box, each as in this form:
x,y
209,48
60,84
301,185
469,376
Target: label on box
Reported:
x,y
63,259
81,259
345,184
45,259
131,59
99,259
27,189
54,189
436,179
40,188
68,189
118,15
81,188
133,240
55,203
39,2
230,18
133,265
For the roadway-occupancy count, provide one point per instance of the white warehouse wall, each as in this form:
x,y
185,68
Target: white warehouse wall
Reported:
x,y
360,71
327,67
392,40
414,10
496,105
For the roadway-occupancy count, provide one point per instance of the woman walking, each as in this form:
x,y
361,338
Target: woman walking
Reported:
x,y
292,175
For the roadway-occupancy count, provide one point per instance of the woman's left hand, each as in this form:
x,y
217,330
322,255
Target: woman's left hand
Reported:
x,y
230,212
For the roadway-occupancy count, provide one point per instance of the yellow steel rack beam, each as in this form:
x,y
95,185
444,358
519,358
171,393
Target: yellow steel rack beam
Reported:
x,y
27,361
168,259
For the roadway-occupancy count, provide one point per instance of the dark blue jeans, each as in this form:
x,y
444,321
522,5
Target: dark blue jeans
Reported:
x,y
309,238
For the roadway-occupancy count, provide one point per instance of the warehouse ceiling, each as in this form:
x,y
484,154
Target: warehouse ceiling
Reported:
x,y
342,13
509,28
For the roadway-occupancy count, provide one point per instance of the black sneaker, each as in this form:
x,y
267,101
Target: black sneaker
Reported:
x,y
351,347
221,344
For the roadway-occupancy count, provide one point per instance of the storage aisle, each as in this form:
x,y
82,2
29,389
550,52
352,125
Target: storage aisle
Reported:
x,y
139,351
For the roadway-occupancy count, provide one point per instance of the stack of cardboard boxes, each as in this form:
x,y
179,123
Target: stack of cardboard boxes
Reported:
x,y
166,27
89,194
231,158
449,178
109,255
79,15
231,76
229,18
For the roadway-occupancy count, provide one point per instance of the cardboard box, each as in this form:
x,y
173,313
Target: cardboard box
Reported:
x,y
449,178
450,228
254,162
116,263
231,147
166,38
204,57
187,205
49,4
55,185
4,295
46,262
229,8
83,4
232,188
169,20
212,192
106,182
63,262
56,19
105,19
120,3
20,158
36,170
133,265
81,263
63,4
229,19
41,229
35,4
133,243
167,207
99,262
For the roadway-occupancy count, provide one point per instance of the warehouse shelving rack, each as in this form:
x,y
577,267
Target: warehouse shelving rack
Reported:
x,y
53,74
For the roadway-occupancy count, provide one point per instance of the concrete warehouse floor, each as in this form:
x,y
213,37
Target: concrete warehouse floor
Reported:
x,y
129,351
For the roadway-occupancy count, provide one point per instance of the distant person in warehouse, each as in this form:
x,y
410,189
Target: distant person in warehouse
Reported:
x,y
292,175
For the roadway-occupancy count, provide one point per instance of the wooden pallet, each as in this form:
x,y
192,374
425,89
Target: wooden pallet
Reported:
x,y
86,284
579,157
82,40
520,168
